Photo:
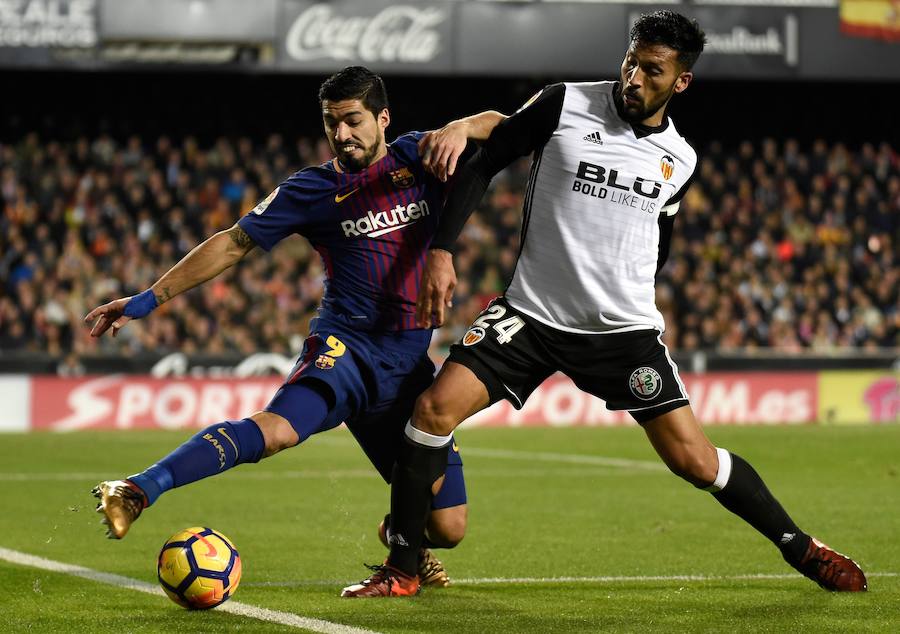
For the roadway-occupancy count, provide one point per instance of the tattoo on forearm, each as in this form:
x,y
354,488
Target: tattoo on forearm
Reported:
x,y
163,295
240,238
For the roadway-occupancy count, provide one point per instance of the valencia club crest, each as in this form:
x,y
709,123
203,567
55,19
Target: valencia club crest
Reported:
x,y
667,165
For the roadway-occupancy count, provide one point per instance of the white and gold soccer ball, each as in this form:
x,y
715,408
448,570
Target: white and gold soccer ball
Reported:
x,y
199,568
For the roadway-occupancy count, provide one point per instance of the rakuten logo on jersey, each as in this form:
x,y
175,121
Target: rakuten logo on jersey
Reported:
x,y
375,224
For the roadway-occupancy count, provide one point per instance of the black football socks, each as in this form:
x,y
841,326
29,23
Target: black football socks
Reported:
x,y
739,489
421,461
426,542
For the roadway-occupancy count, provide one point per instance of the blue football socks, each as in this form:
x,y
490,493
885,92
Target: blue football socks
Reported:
x,y
213,450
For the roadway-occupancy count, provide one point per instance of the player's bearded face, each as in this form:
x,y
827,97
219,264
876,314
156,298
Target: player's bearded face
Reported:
x,y
650,75
355,134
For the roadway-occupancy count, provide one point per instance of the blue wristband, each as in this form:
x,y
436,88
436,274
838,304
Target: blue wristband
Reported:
x,y
140,305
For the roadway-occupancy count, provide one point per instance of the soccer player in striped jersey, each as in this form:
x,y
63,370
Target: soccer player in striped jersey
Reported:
x,y
370,213
608,172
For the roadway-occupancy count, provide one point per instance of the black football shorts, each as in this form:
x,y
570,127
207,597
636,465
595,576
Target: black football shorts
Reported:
x,y
512,353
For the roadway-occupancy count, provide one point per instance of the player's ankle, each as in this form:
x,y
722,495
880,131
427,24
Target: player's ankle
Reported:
x,y
793,547
404,562
152,482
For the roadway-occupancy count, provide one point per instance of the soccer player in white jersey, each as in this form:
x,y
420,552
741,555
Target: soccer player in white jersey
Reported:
x,y
608,172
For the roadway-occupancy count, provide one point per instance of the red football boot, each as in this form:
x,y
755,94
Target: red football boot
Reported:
x,y
385,581
830,569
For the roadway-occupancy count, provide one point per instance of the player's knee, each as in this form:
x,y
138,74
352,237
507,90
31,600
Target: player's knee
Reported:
x,y
277,432
449,529
434,414
697,467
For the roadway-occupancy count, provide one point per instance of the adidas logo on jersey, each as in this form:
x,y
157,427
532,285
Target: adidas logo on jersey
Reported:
x,y
594,137
377,224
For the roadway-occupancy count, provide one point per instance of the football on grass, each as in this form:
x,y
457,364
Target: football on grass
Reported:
x,y
199,568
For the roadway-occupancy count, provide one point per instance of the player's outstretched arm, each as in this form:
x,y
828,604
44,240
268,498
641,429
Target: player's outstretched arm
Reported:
x,y
440,149
203,263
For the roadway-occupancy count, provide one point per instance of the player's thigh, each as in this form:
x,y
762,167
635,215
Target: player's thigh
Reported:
x,y
379,436
631,371
329,366
456,394
680,441
503,355
379,428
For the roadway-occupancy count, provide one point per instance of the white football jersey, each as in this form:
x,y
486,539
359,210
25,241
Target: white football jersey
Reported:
x,y
590,237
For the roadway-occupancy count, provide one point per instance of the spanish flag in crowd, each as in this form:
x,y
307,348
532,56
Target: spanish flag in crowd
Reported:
x,y
878,19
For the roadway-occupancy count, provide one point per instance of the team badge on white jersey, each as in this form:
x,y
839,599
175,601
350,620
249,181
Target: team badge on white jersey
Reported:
x,y
667,166
645,383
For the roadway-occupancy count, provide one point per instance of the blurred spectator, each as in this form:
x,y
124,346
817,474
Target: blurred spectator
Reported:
x,y
775,246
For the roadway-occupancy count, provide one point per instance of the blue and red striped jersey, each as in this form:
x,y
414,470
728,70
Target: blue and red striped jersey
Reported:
x,y
372,229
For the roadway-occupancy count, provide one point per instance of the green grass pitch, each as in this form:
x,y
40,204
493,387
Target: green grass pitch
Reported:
x,y
542,505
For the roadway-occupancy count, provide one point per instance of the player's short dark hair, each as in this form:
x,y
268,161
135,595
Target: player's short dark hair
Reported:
x,y
673,30
356,82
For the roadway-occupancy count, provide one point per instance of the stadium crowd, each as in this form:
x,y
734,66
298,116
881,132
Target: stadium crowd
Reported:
x,y
775,246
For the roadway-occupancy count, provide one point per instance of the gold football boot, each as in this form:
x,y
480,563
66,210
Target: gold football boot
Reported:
x,y
121,502
431,570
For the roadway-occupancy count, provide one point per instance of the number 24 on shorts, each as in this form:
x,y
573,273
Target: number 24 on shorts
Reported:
x,y
505,328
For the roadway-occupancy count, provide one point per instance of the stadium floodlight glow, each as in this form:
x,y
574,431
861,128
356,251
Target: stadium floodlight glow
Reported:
x,y
198,7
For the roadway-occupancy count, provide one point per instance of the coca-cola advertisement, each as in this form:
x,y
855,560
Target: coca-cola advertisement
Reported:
x,y
393,36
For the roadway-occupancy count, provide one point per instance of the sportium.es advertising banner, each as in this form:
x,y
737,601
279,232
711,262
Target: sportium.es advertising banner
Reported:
x,y
139,402
718,398
859,397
